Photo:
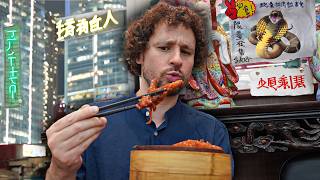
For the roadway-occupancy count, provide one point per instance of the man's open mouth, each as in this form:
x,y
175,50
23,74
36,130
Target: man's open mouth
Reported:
x,y
173,76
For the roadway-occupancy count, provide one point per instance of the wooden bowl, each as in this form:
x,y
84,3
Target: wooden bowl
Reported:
x,y
161,162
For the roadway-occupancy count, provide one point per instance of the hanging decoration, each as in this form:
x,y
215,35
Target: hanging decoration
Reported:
x,y
212,85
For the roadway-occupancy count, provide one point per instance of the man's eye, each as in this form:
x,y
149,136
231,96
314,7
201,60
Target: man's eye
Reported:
x,y
186,52
164,48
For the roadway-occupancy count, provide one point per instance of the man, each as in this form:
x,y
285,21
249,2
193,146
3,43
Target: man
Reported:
x,y
164,44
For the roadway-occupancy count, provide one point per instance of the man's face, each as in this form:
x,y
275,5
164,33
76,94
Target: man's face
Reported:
x,y
169,55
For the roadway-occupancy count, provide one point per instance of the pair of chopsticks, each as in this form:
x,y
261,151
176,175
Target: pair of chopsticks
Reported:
x,y
103,113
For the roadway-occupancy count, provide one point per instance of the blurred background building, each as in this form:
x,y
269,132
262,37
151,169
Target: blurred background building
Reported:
x,y
94,68
23,124
54,54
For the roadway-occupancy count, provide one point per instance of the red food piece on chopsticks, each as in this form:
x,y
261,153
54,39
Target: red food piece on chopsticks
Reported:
x,y
152,101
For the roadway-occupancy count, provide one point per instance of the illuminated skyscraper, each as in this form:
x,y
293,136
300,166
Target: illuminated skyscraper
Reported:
x,y
23,124
53,54
94,68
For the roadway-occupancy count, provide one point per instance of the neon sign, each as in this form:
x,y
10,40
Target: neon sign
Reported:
x,y
12,65
84,26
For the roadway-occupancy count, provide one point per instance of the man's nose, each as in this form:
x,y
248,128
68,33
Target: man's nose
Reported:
x,y
176,58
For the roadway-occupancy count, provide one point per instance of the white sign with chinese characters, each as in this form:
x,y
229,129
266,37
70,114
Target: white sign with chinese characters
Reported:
x,y
280,81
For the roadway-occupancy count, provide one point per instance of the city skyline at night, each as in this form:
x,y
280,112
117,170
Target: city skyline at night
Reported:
x,y
77,71
23,123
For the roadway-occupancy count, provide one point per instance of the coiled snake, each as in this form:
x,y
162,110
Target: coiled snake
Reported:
x,y
267,35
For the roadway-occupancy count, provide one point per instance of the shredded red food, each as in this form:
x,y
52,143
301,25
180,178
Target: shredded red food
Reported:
x,y
197,144
152,101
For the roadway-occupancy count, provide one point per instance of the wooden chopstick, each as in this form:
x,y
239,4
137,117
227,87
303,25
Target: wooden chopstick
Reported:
x,y
106,113
112,111
129,100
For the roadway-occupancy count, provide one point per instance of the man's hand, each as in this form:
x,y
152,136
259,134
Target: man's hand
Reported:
x,y
69,137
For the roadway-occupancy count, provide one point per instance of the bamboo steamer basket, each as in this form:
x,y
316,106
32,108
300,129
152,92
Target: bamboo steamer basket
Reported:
x,y
179,163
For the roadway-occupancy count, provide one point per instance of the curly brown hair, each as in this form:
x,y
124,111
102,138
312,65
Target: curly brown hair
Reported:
x,y
140,31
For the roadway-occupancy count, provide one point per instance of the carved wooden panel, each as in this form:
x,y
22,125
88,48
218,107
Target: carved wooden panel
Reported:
x,y
271,135
272,127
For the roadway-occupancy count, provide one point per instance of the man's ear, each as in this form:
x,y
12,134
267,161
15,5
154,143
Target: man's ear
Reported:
x,y
140,59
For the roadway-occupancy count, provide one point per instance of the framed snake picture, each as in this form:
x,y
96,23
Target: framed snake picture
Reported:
x,y
272,31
